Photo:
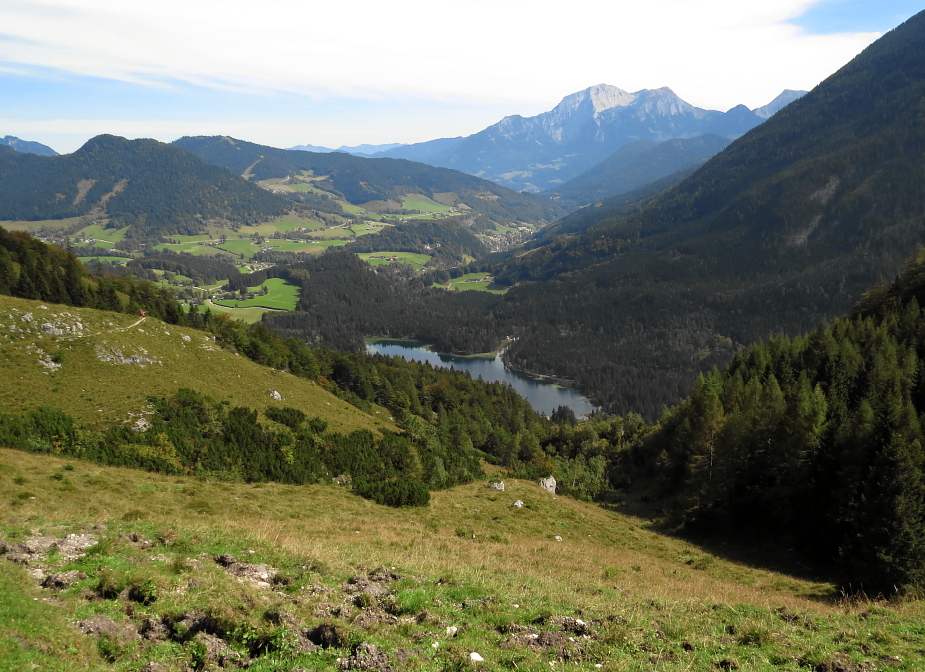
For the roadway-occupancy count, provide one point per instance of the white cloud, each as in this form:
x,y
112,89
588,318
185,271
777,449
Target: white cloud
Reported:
x,y
713,53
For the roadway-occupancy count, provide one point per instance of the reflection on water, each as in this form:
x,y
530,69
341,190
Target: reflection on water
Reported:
x,y
543,397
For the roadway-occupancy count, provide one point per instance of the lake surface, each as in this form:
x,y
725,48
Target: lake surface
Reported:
x,y
544,397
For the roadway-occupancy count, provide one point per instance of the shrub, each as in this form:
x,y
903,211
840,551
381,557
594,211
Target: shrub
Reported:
x,y
397,491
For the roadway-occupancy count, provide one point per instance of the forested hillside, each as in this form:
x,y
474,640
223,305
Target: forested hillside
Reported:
x,y
636,165
813,442
155,188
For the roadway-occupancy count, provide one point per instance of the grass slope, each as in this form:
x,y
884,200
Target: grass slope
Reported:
x,y
100,393
497,573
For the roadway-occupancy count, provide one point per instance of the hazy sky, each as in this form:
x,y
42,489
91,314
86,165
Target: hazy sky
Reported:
x,y
288,72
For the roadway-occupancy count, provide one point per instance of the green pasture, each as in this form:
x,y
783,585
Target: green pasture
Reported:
x,y
243,246
422,203
249,315
280,295
111,260
410,258
333,233
100,232
39,225
364,229
190,247
283,224
480,282
102,244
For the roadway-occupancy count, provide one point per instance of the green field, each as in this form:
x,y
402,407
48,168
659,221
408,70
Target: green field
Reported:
x,y
364,229
88,261
99,232
410,258
40,225
283,224
481,282
249,315
243,246
281,296
422,203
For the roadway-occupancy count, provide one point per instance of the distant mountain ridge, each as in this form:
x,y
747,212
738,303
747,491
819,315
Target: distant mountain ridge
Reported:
x,y
363,180
541,152
27,146
358,150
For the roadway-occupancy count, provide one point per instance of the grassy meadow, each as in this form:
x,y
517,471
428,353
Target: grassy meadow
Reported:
x,y
102,393
481,282
556,584
280,296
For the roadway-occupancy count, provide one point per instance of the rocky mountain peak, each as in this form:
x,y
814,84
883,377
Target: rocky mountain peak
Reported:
x,y
594,99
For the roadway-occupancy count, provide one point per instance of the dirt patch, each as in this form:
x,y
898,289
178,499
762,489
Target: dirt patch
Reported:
x,y
256,575
83,188
365,657
104,625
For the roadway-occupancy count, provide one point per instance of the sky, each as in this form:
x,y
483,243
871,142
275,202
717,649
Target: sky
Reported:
x,y
293,72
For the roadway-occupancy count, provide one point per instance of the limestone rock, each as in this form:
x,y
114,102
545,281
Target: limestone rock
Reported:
x,y
548,484
496,486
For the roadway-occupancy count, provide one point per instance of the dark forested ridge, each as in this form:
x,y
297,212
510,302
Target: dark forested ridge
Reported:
x,y
785,228
360,180
157,189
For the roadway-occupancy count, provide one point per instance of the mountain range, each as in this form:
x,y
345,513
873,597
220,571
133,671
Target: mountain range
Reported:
x,y
541,153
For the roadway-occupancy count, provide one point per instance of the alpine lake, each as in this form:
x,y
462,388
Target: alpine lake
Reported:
x,y
543,396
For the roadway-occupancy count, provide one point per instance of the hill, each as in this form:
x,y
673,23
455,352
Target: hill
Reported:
x,y
204,573
100,368
154,188
366,182
785,228
636,165
540,153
